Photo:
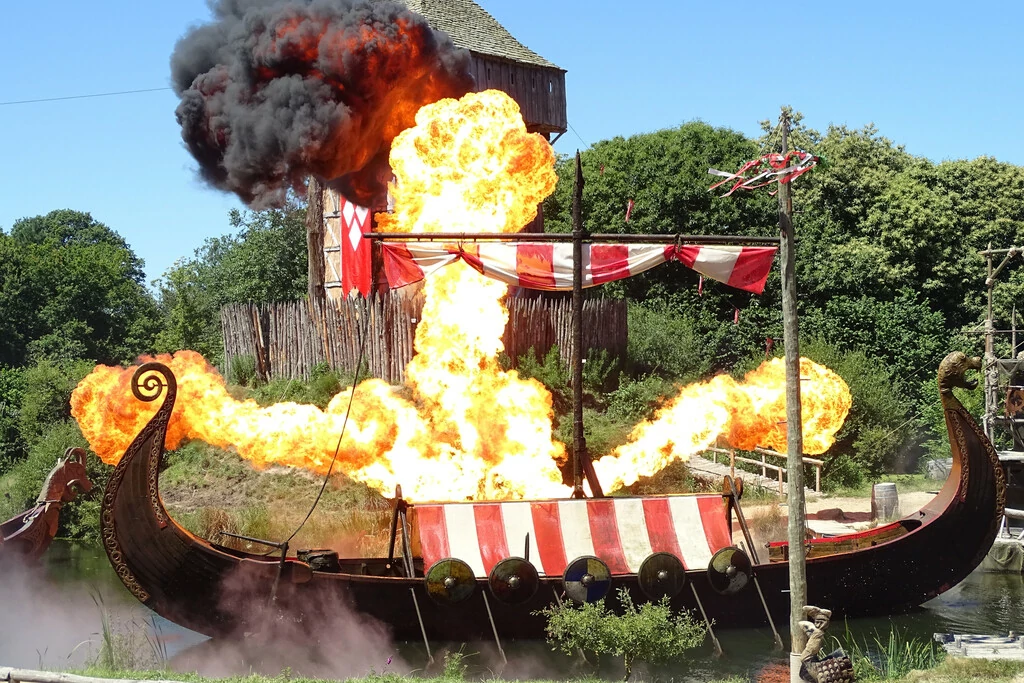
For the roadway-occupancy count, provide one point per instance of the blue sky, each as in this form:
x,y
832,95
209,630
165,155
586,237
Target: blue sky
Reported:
x,y
941,78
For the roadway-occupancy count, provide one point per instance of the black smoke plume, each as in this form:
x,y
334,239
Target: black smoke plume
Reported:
x,y
274,91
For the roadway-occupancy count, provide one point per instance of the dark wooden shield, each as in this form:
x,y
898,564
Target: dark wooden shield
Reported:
x,y
587,579
729,571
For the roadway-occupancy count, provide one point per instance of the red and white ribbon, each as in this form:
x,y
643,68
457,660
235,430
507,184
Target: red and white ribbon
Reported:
x,y
770,168
548,266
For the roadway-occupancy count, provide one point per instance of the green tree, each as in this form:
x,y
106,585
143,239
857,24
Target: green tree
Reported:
x,y
264,261
666,175
12,390
17,299
46,395
71,288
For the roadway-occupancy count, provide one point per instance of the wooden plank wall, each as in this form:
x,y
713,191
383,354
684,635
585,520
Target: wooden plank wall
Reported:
x,y
541,323
289,339
539,91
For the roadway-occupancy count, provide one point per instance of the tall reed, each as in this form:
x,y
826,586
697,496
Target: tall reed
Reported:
x,y
886,657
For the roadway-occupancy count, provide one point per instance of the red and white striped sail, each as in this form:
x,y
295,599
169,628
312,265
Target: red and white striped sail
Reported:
x,y
548,266
621,531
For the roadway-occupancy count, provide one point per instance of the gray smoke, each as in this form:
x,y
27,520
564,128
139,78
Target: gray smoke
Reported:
x,y
275,91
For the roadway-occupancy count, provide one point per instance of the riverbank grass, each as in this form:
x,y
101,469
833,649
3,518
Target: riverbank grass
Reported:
x,y
950,670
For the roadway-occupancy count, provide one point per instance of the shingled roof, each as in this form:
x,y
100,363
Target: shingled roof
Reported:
x,y
471,27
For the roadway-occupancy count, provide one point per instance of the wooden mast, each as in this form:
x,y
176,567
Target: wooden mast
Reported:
x,y
794,430
581,464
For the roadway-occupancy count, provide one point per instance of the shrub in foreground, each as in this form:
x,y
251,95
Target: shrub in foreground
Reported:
x,y
649,632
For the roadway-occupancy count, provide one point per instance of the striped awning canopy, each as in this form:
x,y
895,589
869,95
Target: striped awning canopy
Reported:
x,y
548,265
620,531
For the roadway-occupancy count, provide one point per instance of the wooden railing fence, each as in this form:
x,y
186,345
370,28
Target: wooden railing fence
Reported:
x,y
288,339
779,470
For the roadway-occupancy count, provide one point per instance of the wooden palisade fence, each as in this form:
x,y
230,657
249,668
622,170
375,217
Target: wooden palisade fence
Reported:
x,y
288,339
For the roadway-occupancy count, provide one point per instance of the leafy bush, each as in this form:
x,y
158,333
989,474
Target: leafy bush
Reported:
x,y
12,389
455,666
635,399
46,398
665,343
319,390
549,372
879,433
242,371
648,632
602,431
600,371
842,471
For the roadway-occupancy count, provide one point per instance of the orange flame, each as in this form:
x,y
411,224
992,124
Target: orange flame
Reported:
x,y
468,166
472,429
747,414
292,434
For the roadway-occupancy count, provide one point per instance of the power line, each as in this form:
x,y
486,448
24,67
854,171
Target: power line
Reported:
x,y
585,143
80,97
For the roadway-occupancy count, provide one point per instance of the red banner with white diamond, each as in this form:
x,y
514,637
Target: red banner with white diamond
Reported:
x,y
356,252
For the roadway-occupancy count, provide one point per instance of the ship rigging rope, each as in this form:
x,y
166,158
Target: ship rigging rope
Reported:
x,y
363,334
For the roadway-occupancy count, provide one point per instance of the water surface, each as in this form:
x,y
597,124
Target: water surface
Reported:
x,y
51,616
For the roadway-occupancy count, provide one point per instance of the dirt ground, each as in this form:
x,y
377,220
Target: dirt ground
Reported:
x,y
909,502
768,521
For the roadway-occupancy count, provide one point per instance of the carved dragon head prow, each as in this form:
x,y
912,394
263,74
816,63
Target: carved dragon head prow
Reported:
x,y
953,373
67,478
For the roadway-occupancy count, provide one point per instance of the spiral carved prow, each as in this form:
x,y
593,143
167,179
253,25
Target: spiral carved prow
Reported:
x,y
150,379
953,372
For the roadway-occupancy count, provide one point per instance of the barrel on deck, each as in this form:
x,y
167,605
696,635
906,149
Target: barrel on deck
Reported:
x,y
885,504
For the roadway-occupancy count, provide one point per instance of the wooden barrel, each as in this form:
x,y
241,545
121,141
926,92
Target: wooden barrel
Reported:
x,y
885,504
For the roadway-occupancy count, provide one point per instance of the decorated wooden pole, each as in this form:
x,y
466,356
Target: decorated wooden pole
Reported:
x,y
794,431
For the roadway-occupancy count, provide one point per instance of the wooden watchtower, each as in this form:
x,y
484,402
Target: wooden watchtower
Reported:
x,y
501,62
498,61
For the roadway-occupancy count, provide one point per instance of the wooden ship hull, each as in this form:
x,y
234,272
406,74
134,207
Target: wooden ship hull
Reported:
x,y
420,594
29,534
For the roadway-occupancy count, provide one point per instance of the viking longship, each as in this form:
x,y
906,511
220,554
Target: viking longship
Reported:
x,y
29,534
472,570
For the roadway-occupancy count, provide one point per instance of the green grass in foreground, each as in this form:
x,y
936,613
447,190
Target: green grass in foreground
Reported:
x,y
950,670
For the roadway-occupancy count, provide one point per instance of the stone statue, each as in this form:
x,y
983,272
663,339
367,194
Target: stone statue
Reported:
x,y
814,667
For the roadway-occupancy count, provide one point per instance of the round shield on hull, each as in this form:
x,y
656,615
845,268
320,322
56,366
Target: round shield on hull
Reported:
x,y
586,579
729,571
450,581
661,575
513,581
